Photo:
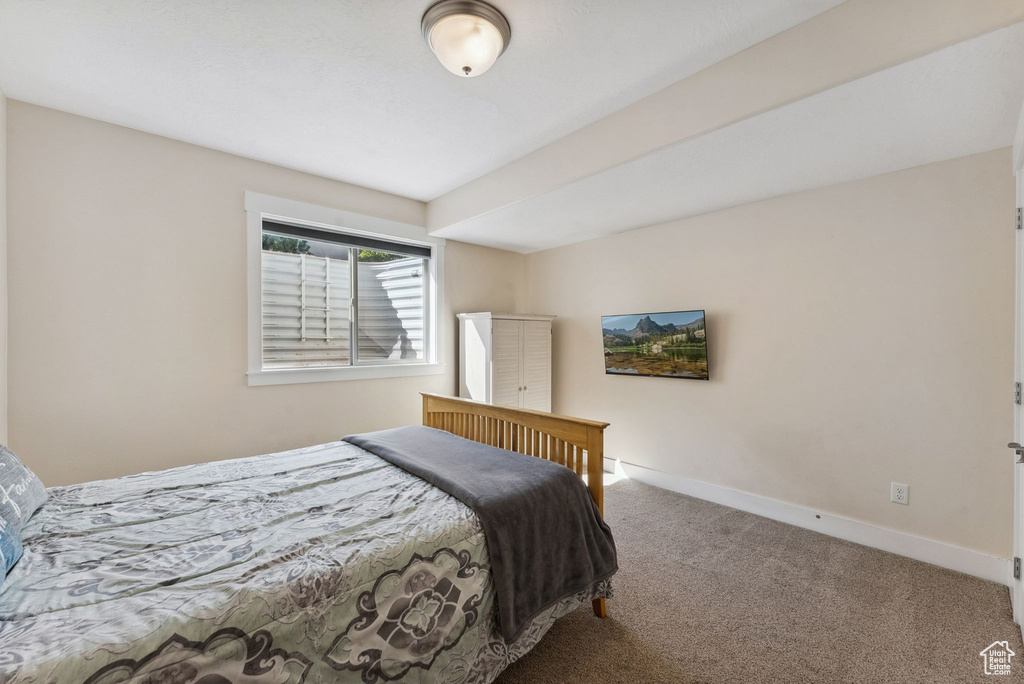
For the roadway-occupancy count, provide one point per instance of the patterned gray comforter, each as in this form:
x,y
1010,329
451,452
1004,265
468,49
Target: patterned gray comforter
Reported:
x,y
317,565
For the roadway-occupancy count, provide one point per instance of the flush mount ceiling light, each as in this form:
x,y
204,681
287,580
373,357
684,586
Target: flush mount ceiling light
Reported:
x,y
467,36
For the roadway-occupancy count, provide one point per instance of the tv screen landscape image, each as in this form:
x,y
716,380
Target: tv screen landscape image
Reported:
x,y
671,345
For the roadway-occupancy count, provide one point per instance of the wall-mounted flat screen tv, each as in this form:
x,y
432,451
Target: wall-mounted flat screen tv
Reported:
x,y
670,345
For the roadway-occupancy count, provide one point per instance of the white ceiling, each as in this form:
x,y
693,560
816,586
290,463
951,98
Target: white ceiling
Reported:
x,y
347,88
957,101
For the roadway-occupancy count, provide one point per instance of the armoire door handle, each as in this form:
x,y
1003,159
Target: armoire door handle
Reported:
x,y
1019,450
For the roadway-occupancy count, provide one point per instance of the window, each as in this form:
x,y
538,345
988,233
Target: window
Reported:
x,y
332,299
337,302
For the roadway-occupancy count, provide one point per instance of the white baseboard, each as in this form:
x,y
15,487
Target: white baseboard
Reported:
x,y
957,558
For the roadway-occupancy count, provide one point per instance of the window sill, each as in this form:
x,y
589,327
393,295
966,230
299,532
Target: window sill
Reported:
x,y
290,376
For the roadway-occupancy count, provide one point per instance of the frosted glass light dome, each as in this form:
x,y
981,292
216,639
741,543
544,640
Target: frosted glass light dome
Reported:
x,y
467,36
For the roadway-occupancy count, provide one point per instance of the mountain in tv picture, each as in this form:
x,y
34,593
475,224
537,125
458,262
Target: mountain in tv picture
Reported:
x,y
645,326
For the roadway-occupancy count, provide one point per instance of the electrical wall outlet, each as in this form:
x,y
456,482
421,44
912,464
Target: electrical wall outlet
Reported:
x,y
899,493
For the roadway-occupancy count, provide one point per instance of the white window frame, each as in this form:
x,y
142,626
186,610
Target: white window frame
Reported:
x,y
259,207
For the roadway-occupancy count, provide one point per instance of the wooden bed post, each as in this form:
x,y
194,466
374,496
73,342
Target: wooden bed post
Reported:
x,y
595,465
595,483
545,435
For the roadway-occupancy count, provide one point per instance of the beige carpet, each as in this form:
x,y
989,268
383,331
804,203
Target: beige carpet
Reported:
x,y
707,593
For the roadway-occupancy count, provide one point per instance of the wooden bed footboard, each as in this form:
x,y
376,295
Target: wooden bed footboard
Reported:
x,y
576,443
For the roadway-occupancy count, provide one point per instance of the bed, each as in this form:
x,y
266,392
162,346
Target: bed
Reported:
x,y
322,564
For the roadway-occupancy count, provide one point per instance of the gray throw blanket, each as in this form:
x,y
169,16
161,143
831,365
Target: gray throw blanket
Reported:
x,y
544,533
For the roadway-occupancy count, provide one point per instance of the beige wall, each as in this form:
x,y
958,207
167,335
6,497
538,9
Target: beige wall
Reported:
x,y
3,268
859,334
128,304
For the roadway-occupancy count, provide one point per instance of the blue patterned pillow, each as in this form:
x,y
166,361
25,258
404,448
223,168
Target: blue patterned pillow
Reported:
x,y
21,492
10,548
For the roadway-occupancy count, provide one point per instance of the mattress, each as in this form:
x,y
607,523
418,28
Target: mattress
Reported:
x,y
323,564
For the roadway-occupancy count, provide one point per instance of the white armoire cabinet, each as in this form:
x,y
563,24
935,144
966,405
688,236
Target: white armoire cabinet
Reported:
x,y
505,359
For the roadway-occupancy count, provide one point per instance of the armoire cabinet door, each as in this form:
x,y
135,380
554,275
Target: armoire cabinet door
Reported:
x,y
506,373
537,365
